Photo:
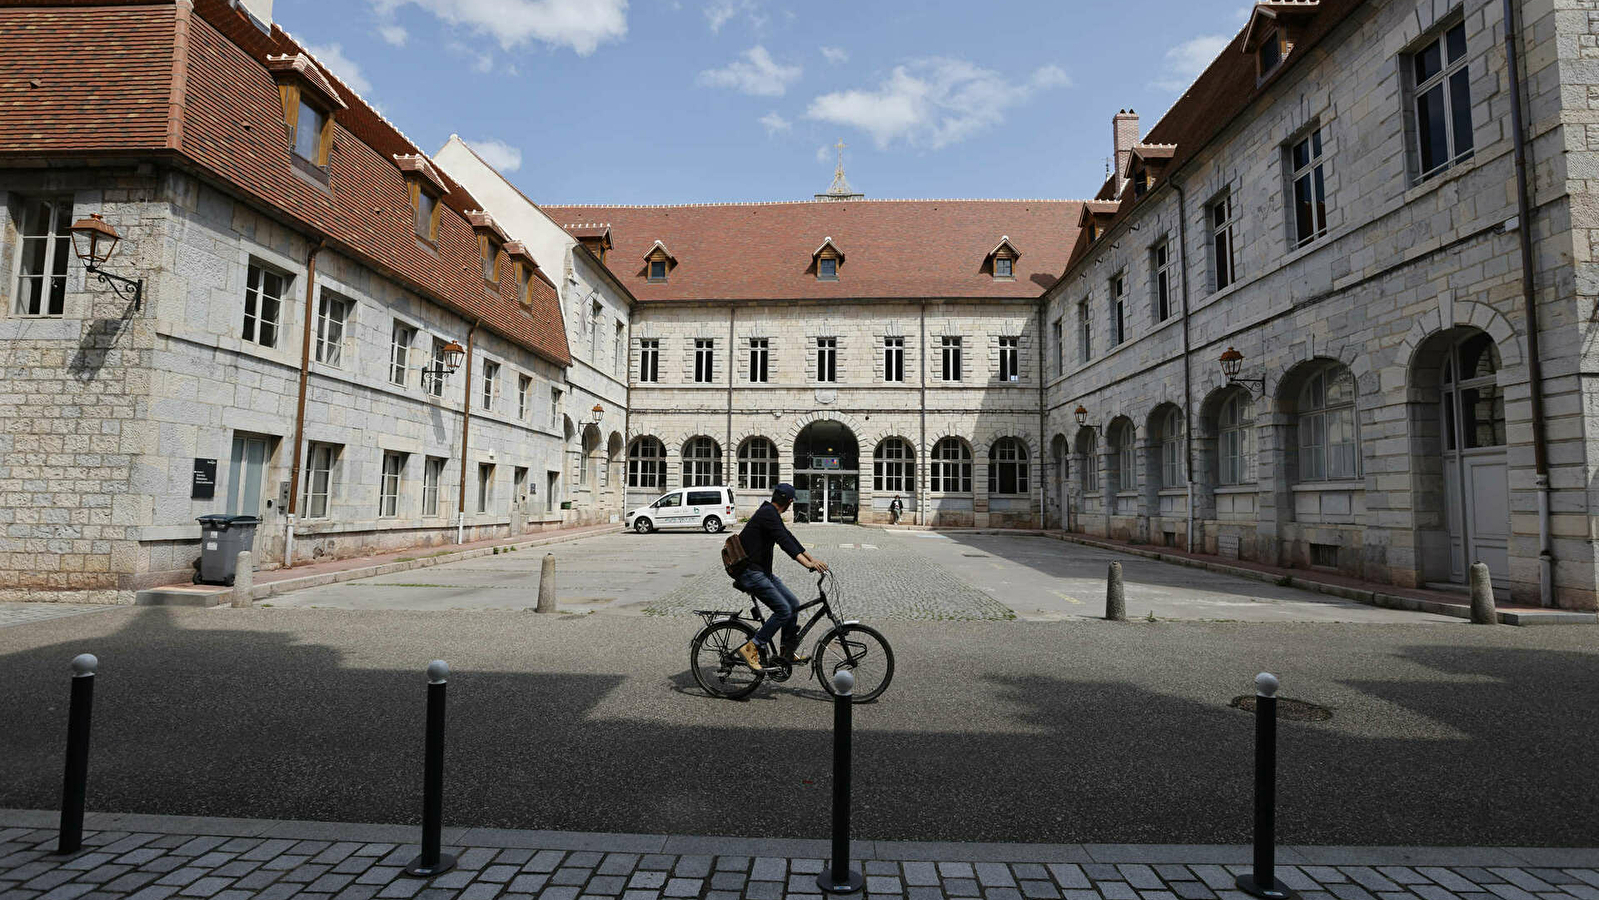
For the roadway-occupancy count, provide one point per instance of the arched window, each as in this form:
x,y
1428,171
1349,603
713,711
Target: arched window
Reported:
x,y
1123,460
1481,402
702,462
952,467
646,464
1328,447
1007,467
894,467
1235,432
757,464
1170,460
591,443
1088,446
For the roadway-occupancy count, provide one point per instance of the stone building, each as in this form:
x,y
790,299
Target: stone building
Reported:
x,y
1339,200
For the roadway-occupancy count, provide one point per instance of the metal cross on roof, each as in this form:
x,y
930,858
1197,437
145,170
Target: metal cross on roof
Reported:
x,y
840,189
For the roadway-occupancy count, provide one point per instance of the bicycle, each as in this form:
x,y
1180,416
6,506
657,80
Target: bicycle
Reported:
x,y
721,672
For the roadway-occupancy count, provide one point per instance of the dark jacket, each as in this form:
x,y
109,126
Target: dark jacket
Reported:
x,y
763,530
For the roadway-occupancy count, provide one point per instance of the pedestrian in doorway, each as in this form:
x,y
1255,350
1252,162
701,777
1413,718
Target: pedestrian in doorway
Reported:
x,y
895,508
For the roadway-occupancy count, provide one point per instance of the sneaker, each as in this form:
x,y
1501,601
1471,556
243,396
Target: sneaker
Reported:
x,y
751,655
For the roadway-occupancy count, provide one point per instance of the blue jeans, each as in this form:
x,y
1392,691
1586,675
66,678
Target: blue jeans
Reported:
x,y
770,590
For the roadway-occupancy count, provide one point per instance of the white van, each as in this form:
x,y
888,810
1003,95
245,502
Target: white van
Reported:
x,y
708,508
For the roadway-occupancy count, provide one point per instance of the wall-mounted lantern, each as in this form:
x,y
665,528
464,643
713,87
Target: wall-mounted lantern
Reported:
x,y
94,240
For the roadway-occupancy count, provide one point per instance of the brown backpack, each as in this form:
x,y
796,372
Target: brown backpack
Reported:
x,y
734,559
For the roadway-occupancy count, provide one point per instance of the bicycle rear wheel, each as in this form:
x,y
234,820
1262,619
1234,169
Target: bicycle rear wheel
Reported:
x,y
861,650
713,655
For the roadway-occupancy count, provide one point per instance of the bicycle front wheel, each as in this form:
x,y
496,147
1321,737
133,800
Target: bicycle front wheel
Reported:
x,y
718,668
863,652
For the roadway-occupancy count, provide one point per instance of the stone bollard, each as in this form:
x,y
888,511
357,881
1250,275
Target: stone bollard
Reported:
x,y
1115,597
547,585
243,579
1482,596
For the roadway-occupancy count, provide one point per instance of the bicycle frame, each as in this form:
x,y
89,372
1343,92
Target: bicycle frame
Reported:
x,y
715,615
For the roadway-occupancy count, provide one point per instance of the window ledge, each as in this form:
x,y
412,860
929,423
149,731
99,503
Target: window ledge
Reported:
x,y
1250,488
1320,486
1173,492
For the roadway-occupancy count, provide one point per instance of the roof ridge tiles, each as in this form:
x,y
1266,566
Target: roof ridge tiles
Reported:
x,y
813,202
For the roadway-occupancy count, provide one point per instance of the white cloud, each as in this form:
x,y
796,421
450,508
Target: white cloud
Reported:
x,y
720,12
824,154
1185,61
756,74
774,123
835,55
498,154
395,35
581,25
343,68
932,102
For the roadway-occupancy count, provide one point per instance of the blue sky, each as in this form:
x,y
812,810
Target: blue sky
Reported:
x,y
676,101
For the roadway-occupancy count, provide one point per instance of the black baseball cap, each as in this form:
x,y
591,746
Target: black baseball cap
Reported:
x,y
783,489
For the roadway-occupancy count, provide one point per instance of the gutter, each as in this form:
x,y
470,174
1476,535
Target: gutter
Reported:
x,y
1188,384
921,364
1044,485
1540,450
299,412
466,422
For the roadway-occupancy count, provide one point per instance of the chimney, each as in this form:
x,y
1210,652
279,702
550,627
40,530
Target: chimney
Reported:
x,y
1125,127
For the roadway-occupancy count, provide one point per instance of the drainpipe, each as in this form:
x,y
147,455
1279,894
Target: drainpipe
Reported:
x,y
728,450
299,413
466,421
921,479
1188,385
1043,488
1540,450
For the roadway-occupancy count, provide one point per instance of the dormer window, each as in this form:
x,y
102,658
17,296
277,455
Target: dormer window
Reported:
x,y
1273,29
309,103
827,258
658,262
309,129
427,216
426,189
491,239
524,278
1002,260
491,259
1002,268
524,267
1270,53
827,269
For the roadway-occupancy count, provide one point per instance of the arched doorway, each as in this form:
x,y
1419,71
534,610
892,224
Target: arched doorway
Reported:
x,y
1470,416
827,474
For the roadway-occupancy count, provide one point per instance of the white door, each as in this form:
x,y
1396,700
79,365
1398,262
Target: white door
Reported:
x,y
245,473
1476,476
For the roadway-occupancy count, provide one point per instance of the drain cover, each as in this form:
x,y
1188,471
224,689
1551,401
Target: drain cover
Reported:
x,y
1288,709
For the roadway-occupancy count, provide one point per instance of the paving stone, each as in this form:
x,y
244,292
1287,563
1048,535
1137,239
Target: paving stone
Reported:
x,y
1002,893
473,858
164,864
1446,878
610,885
758,890
1102,872
1141,877
354,865
285,862
170,840
307,873
182,877
1583,891
692,867
716,895
618,864
1029,871
86,861
1402,875
454,880
806,866
402,887
482,890
961,887
1174,873
883,884
527,883
1480,877
657,861
205,887
1523,880
1510,892
236,868
682,887
230,894
543,861
646,879
727,881
330,883
1191,890
256,880
379,875
357,892
161,892
560,892
503,874
1157,895
1081,895
920,874
102,874
768,868
277,892
380,849
1044,890
587,859
655,895
923,892
1368,878
198,846
566,875
1325,874
267,849
994,875
1218,878
1347,891
337,852
1433,892
127,883
66,892
1116,890
882,867
732,864
1395,895
1589,876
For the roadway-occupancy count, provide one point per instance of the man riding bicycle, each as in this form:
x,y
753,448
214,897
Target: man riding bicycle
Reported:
x,y
764,529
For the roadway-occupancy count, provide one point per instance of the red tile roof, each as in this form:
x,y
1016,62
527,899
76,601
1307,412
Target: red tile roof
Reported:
x,y
896,248
199,86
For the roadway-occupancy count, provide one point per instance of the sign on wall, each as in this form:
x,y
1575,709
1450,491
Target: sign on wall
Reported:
x,y
205,480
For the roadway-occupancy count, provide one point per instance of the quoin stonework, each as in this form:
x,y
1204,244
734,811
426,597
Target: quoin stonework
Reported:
x,y
1335,309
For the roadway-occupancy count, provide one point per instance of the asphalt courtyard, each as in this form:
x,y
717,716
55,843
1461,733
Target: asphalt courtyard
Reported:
x,y
1057,731
904,575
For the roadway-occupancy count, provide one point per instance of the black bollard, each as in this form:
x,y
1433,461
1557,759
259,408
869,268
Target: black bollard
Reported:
x,y
838,877
432,861
1263,881
75,783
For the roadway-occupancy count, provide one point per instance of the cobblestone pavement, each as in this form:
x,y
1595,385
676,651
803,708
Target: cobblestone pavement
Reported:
x,y
23,613
876,579
154,858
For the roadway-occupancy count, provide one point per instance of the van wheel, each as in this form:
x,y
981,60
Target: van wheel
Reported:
x,y
712,524
642,525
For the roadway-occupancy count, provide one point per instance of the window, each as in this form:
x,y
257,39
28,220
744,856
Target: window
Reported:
x,y
646,464
1085,338
555,409
702,462
1002,267
427,216
1442,103
318,480
1480,399
757,464
524,396
1236,436
389,484
704,498
1310,191
308,134
432,475
1269,54
758,360
1088,446
264,290
704,360
657,270
1160,258
1170,463
491,384
400,341
951,347
44,247
433,380
1009,348
827,359
827,269
952,467
649,360
1327,445
524,280
1124,458
893,359
485,486
619,350
1007,467
594,332
1056,339
333,312
491,259
552,486
1118,309
1224,251
894,467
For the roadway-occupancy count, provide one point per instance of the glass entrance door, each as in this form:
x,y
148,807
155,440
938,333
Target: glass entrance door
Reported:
x,y
826,497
